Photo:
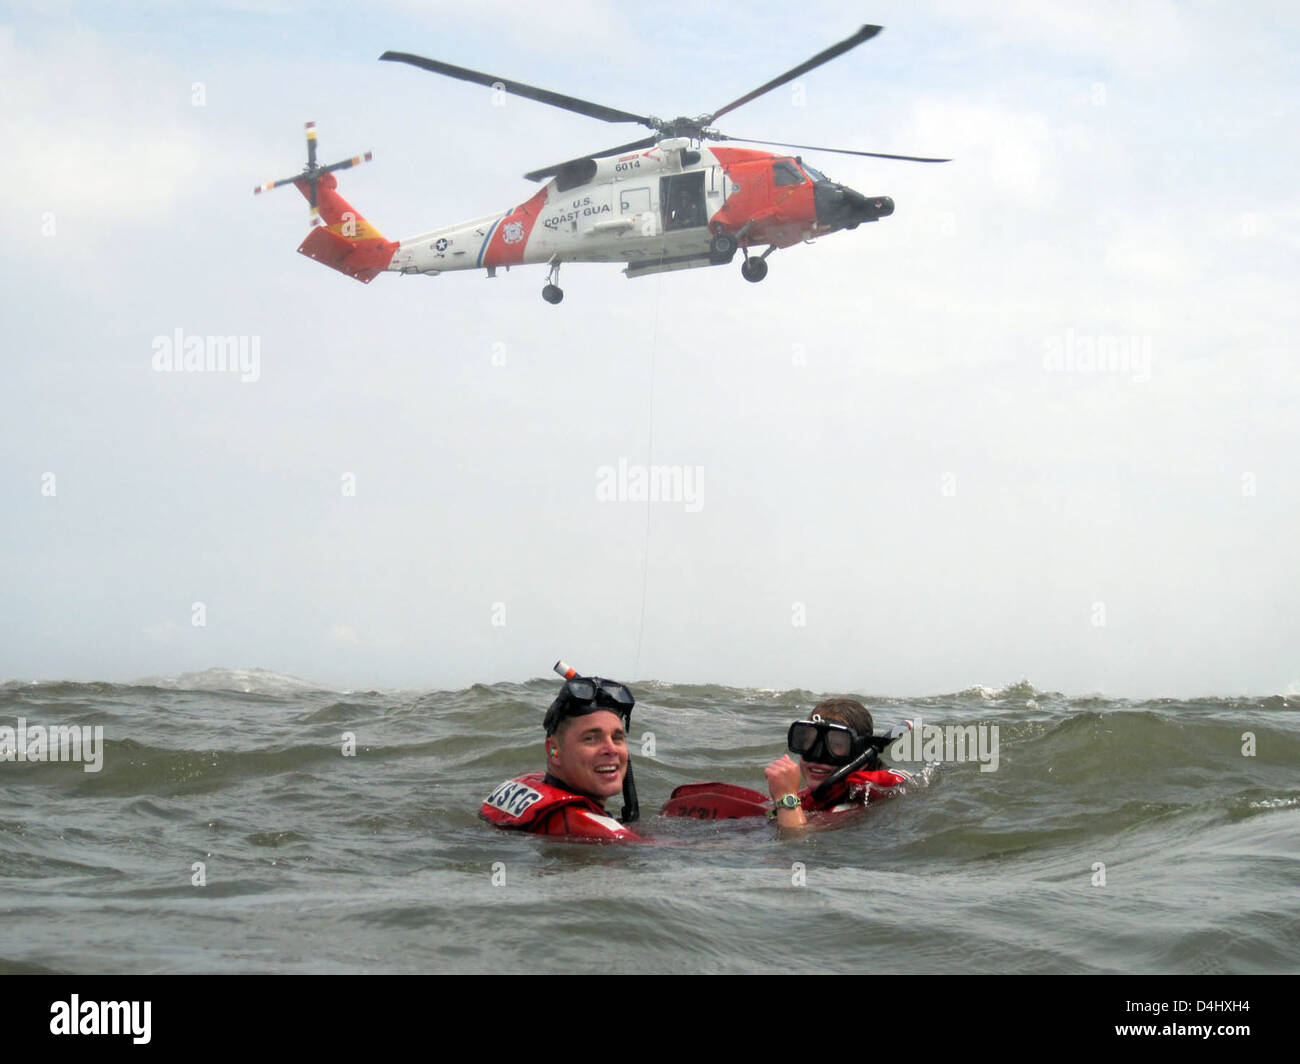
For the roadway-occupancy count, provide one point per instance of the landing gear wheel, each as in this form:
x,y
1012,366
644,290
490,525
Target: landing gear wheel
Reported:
x,y
753,270
722,249
552,294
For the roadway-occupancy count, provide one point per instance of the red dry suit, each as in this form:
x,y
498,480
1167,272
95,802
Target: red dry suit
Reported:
x,y
542,805
725,801
856,789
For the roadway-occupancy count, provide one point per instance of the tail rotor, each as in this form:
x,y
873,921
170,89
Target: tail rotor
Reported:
x,y
312,173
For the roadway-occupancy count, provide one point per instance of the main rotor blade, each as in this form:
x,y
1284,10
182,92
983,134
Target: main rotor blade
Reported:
x,y
838,151
864,34
518,88
550,171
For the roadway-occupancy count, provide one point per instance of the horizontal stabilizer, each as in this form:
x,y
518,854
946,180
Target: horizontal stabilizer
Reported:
x,y
361,259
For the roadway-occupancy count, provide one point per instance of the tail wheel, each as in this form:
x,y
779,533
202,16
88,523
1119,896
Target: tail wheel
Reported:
x,y
753,270
552,294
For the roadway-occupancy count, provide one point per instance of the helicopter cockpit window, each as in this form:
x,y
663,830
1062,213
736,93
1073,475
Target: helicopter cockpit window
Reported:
x,y
816,175
573,174
786,173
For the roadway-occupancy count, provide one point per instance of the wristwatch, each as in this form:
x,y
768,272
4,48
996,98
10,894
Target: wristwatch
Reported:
x,y
788,801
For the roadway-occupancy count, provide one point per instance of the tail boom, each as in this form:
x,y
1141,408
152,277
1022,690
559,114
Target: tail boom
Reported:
x,y
347,242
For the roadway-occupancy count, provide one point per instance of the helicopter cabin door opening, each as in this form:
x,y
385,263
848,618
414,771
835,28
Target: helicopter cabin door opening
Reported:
x,y
682,200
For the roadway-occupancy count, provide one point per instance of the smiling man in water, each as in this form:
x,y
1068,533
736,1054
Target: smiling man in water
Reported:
x,y
586,763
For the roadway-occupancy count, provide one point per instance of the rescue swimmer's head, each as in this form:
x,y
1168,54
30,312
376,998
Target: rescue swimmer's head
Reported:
x,y
586,738
837,732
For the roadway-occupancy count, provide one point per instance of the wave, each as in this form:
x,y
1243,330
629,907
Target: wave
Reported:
x,y
210,681
270,684
246,681
1019,689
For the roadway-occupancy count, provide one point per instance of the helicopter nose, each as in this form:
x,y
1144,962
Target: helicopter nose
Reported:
x,y
839,207
870,208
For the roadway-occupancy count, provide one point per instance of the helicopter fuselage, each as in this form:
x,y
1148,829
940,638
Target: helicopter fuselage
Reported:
x,y
660,209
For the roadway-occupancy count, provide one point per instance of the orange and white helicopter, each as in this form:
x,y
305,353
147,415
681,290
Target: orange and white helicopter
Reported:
x,y
665,202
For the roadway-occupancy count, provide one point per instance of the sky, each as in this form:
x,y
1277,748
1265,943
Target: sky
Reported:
x,y
910,471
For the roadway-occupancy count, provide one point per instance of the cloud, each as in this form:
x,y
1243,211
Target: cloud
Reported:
x,y
90,134
343,635
1134,35
924,336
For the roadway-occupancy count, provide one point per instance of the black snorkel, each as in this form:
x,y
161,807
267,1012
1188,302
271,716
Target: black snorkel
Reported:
x,y
868,759
631,809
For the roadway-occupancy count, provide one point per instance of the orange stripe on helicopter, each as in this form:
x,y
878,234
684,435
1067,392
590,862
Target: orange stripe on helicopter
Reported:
x,y
511,237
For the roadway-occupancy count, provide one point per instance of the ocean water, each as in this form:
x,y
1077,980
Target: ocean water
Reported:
x,y
1113,836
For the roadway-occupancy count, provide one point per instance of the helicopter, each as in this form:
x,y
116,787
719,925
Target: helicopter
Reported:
x,y
664,202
